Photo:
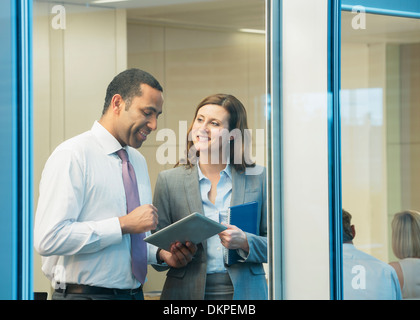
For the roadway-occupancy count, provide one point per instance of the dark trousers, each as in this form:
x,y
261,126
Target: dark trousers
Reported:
x,y
218,287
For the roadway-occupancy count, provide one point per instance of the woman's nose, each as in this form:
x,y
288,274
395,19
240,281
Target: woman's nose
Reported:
x,y
202,127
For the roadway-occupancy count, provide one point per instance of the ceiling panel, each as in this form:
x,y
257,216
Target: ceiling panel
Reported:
x,y
236,14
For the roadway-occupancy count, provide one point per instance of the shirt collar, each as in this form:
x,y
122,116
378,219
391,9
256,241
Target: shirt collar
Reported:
x,y
227,170
105,138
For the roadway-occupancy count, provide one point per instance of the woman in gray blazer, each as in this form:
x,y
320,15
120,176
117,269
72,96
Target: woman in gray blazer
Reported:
x,y
216,174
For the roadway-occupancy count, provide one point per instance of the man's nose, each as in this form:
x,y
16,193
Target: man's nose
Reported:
x,y
152,124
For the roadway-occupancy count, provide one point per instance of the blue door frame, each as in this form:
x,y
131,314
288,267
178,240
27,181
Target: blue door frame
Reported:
x,y
16,145
400,8
334,152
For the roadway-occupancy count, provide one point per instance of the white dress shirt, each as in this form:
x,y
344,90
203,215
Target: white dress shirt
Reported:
x,y
367,278
215,249
81,196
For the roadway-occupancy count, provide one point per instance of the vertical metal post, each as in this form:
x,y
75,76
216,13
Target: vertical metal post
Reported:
x,y
16,145
24,148
334,136
274,126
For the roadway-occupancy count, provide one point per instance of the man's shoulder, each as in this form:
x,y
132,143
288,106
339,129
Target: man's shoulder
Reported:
x,y
79,141
75,147
369,259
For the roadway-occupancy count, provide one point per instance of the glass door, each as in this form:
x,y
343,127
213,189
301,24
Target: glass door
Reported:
x,y
380,121
195,48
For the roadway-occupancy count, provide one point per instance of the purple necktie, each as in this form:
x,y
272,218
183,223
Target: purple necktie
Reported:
x,y
138,245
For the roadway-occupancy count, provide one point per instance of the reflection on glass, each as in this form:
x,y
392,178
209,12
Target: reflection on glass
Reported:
x,y
380,115
193,47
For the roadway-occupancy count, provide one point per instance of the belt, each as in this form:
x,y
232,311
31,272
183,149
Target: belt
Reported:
x,y
84,289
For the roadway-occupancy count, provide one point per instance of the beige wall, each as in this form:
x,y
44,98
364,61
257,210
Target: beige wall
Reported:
x,y
364,158
410,125
192,64
403,70
379,157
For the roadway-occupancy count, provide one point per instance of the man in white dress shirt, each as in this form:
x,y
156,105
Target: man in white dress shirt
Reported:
x,y
82,229
364,276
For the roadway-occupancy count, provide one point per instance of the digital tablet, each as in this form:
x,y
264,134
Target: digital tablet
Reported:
x,y
195,228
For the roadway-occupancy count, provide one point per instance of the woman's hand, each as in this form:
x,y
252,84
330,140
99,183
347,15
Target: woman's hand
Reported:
x,y
234,238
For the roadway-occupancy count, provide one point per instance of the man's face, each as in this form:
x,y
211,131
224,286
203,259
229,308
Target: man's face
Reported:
x,y
134,125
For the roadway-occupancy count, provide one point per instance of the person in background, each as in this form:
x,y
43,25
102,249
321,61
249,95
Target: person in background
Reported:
x,y
215,176
364,276
86,223
406,247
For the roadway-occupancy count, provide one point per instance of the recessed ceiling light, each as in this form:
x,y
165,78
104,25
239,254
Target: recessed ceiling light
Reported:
x,y
252,31
107,1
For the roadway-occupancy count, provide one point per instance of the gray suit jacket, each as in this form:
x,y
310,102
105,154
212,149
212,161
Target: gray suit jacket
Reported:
x,y
177,195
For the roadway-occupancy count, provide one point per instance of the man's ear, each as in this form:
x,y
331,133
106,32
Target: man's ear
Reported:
x,y
353,230
117,103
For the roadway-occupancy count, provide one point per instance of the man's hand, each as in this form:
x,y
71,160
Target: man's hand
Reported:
x,y
142,219
180,254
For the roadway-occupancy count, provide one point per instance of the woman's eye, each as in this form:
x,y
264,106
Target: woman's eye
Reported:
x,y
216,124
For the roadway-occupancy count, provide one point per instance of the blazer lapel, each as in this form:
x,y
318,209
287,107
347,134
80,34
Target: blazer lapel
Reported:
x,y
192,190
238,188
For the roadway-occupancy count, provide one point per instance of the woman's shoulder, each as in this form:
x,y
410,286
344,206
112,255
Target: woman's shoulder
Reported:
x,y
177,172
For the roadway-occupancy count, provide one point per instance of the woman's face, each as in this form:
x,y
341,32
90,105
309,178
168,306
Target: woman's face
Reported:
x,y
210,130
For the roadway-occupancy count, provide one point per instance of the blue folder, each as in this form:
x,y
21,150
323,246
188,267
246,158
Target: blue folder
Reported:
x,y
244,216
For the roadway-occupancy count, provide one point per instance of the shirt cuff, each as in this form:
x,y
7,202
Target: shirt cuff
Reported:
x,y
109,231
151,258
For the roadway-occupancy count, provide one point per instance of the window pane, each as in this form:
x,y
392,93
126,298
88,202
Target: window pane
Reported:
x,y
195,48
380,116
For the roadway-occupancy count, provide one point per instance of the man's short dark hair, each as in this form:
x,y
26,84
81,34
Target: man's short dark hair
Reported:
x,y
127,84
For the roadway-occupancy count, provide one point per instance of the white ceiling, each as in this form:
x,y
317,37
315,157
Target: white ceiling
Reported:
x,y
250,14
237,14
